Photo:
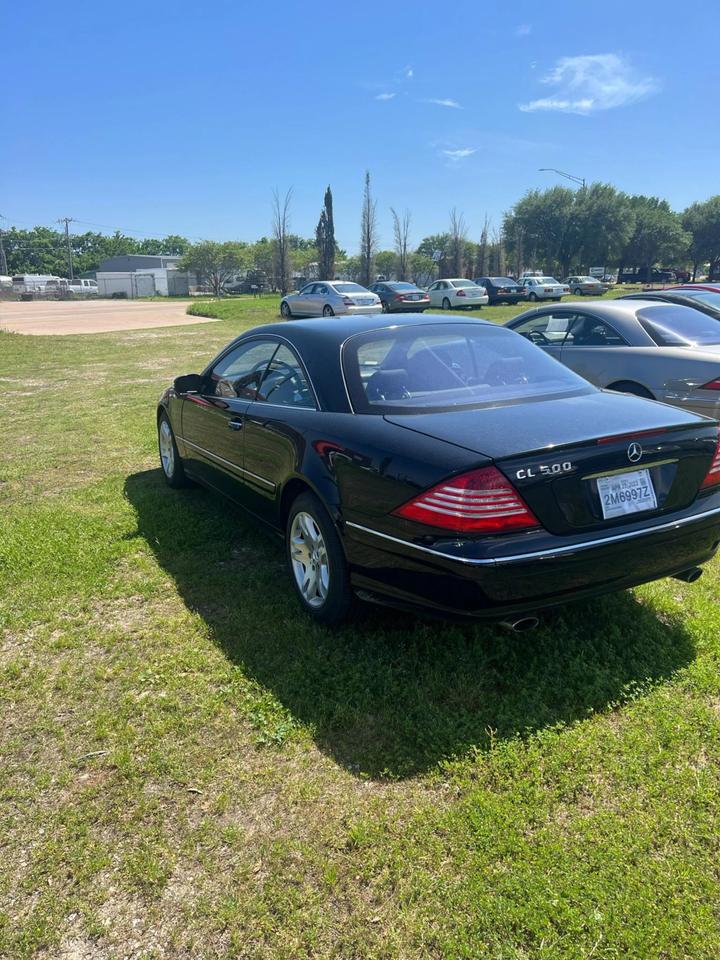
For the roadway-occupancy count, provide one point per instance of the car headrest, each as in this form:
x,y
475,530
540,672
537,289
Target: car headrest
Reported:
x,y
387,385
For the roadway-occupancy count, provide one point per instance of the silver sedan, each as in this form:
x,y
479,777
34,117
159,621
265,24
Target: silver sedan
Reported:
x,y
325,298
662,351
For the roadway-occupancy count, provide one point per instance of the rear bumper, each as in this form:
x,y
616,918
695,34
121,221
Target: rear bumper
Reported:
x,y
469,579
409,307
362,309
508,298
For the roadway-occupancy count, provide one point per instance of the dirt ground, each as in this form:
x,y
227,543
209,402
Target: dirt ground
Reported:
x,y
99,316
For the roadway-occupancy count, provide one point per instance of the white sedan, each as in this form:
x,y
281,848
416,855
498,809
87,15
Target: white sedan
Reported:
x,y
455,294
544,288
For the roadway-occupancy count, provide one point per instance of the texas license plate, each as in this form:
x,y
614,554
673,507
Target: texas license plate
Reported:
x,y
624,493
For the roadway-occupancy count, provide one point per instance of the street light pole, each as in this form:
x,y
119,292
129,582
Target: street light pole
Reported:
x,y
568,176
66,221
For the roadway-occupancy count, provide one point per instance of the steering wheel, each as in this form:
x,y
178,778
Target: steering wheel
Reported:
x,y
291,374
537,337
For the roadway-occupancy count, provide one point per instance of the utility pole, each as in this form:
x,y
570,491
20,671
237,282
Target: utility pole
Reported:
x,y
3,258
66,221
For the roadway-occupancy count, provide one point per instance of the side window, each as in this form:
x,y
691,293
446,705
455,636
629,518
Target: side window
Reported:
x,y
239,373
546,329
321,289
434,286
310,288
590,332
285,382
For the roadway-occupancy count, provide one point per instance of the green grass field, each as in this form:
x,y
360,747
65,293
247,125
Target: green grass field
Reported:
x,y
191,769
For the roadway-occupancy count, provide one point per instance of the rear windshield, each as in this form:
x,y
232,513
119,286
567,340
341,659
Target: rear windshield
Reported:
x,y
349,288
462,283
502,281
706,296
427,367
401,285
679,326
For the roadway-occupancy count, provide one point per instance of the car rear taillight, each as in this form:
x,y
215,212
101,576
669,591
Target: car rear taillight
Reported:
x,y
398,296
481,501
711,385
459,293
712,478
348,301
548,289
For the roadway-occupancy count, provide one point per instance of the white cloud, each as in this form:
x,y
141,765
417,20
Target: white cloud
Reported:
x,y
385,96
523,30
460,154
586,84
443,103
408,73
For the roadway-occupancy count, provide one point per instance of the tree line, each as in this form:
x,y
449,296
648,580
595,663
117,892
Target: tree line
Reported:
x,y
559,230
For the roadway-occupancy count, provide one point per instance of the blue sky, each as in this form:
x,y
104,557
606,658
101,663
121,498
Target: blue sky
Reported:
x,y
183,118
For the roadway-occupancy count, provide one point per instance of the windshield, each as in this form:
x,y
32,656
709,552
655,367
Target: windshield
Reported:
x,y
678,326
349,288
432,367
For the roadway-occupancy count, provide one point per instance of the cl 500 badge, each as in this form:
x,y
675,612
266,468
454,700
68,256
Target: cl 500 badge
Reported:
x,y
545,470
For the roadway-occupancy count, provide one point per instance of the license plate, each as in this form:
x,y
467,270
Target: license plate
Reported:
x,y
624,493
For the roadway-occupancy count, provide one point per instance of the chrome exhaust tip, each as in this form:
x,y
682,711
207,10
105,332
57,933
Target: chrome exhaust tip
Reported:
x,y
521,624
689,576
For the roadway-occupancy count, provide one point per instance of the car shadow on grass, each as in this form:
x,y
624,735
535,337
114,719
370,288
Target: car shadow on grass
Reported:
x,y
391,695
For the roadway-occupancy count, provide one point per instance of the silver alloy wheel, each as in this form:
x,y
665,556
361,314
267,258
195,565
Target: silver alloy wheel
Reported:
x,y
446,304
309,559
167,450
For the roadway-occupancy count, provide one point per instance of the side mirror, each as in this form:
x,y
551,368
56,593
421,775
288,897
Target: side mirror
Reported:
x,y
190,383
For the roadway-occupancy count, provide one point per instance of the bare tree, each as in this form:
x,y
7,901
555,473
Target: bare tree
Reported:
x,y
368,233
458,235
401,231
281,230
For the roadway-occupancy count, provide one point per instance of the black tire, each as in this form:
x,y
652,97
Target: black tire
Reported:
x,y
532,297
629,386
446,303
384,306
172,467
578,292
328,311
340,597
285,311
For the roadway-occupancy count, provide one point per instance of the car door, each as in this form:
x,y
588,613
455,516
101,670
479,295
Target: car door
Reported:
x,y
547,329
323,295
303,303
595,350
214,418
276,426
437,292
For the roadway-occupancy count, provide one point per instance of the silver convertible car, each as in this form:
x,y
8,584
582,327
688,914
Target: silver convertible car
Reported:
x,y
325,298
663,351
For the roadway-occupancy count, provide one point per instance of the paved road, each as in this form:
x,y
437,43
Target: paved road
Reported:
x,y
42,317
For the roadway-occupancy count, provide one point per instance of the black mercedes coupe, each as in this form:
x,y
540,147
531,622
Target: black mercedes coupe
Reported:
x,y
444,464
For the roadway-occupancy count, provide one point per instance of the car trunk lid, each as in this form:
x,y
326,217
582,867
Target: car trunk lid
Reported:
x,y
575,463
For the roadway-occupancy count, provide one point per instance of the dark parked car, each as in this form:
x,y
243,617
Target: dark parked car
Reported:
x,y
444,464
705,300
399,296
502,289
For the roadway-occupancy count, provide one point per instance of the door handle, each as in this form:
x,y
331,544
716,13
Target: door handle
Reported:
x,y
235,423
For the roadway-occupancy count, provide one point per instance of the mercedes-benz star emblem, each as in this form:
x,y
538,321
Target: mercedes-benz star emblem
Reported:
x,y
634,452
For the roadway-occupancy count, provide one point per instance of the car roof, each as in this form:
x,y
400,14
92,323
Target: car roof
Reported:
x,y
621,309
337,329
